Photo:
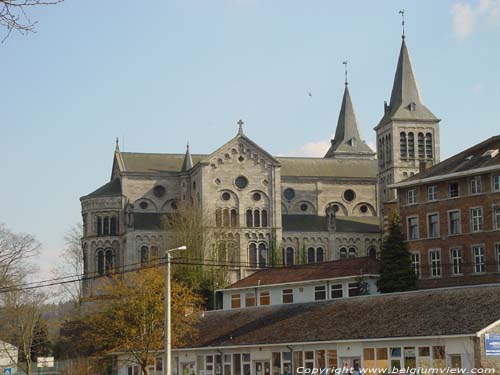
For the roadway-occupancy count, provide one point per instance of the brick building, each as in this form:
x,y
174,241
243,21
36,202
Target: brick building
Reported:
x,y
451,217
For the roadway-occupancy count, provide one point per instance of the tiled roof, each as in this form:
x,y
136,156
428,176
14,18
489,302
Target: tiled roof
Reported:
x,y
310,272
114,187
445,312
344,224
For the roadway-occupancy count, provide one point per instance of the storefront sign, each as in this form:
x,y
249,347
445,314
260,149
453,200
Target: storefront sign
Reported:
x,y
492,344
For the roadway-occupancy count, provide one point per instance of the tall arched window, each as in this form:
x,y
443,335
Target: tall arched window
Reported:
x,y
310,255
154,252
428,146
352,252
108,261
105,226
343,253
256,218
383,150
100,262
411,145
288,256
99,226
388,147
225,217
403,151
218,217
320,255
421,146
264,218
144,256
234,218
372,252
114,226
262,255
252,255
249,218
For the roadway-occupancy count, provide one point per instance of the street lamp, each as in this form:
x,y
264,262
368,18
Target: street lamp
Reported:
x,y
168,343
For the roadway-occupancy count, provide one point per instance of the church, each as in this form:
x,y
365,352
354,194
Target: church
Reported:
x,y
309,210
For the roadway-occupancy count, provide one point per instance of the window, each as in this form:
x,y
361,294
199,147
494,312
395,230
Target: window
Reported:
x,y
421,146
412,196
438,356
113,226
250,299
411,145
235,301
428,146
320,254
382,358
453,190
252,254
456,261
395,358
479,259
144,256
497,255
432,193
424,357
435,262
256,218
234,218
218,217
415,263
476,215
287,295
288,256
433,225
343,253
496,217
241,182
105,226
264,218
372,252
413,228
249,218
353,289
262,255
108,260
289,194
100,262
336,291
454,224
315,255
496,183
369,358
402,145
320,293
456,361
99,226
311,256
475,185
265,298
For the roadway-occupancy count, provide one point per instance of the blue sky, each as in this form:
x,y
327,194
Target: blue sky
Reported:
x,y
160,73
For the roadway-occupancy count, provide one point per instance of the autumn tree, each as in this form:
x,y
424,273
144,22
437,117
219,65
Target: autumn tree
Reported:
x,y
130,317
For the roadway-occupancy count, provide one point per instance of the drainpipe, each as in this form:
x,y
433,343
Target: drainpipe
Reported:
x,y
293,365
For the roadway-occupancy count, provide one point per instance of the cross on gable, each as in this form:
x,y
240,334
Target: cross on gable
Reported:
x,y
240,124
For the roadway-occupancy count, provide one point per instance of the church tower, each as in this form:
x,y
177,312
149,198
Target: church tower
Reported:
x,y
347,143
407,134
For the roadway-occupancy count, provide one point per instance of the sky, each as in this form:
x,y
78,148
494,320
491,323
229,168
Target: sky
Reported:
x,y
158,74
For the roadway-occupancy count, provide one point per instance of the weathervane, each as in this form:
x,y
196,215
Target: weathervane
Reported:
x,y
402,12
345,66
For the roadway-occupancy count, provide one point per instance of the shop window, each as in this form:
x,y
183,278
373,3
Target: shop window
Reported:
x,y
265,298
298,358
309,360
287,363
382,358
336,291
245,360
320,359
331,356
424,357
438,357
235,301
369,358
276,363
250,299
287,295
410,357
237,364
456,361
320,293
396,358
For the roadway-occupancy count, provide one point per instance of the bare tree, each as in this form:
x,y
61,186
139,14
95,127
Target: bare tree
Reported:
x,y
15,251
14,15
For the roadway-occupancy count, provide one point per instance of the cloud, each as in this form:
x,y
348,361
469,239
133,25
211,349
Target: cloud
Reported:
x,y
313,149
468,15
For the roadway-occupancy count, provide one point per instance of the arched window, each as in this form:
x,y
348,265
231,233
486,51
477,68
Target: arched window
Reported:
x,y
218,217
225,217
144,256
100,262
105,226
428,146
411,145
264,218
320,255
343,253
114,226
108,261
154,252
288,256
352,252
383,150
249,218
372,252
99,226
256,218
421,146
252,255
262,255
234,218
310,255
403,151
388,147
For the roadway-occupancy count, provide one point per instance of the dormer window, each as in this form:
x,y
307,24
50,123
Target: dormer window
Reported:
x,y
353,141
412,107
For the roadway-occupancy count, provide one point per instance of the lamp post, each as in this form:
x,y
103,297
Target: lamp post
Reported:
x,y
167,359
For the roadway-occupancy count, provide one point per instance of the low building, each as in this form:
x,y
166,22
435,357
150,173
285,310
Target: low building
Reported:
x,y
451,217
8,358
303,283
436,328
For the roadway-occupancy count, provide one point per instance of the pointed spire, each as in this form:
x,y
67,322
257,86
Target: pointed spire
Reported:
x,y
187,164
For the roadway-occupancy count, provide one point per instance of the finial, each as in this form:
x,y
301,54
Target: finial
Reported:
x,y
240,124
345,66
117,145
187,146
402,12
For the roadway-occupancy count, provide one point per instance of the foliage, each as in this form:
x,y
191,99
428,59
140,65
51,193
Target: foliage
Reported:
x,y
303,255
131,317
363,287
396,273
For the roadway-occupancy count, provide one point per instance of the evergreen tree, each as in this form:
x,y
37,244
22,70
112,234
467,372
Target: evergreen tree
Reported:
x,y
396,273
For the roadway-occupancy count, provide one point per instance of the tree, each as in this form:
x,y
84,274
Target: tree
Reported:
x,y
131,317
396,273
14,14
22,325
15,251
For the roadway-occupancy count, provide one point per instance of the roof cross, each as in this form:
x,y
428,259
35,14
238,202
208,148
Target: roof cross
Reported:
x,y
240,124
345,66
402,12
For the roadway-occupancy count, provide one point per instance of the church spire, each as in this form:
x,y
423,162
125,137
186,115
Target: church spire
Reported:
x,y
187,164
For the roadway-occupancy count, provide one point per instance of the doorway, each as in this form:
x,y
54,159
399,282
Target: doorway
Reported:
x,y
351,363
262,368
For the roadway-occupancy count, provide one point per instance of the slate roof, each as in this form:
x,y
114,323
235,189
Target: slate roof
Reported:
x,y
114,187
404,92
314,223
469,159
309,272
438,312
149,162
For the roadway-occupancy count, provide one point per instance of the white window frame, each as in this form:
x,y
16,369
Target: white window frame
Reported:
x,y
283,294
409,228
480,223
435,272
236,296
497,255
432,193
496,216
482,263
411,196
336,289
475,185
449,212
449,189
495,183
459,259
320,289
429,234
415,263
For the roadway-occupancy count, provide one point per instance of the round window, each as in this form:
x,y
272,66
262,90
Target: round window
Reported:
x,y
159,191
256,197
241,182
349,195
241,159
143,205
303,207
364,208
289,193
226,196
